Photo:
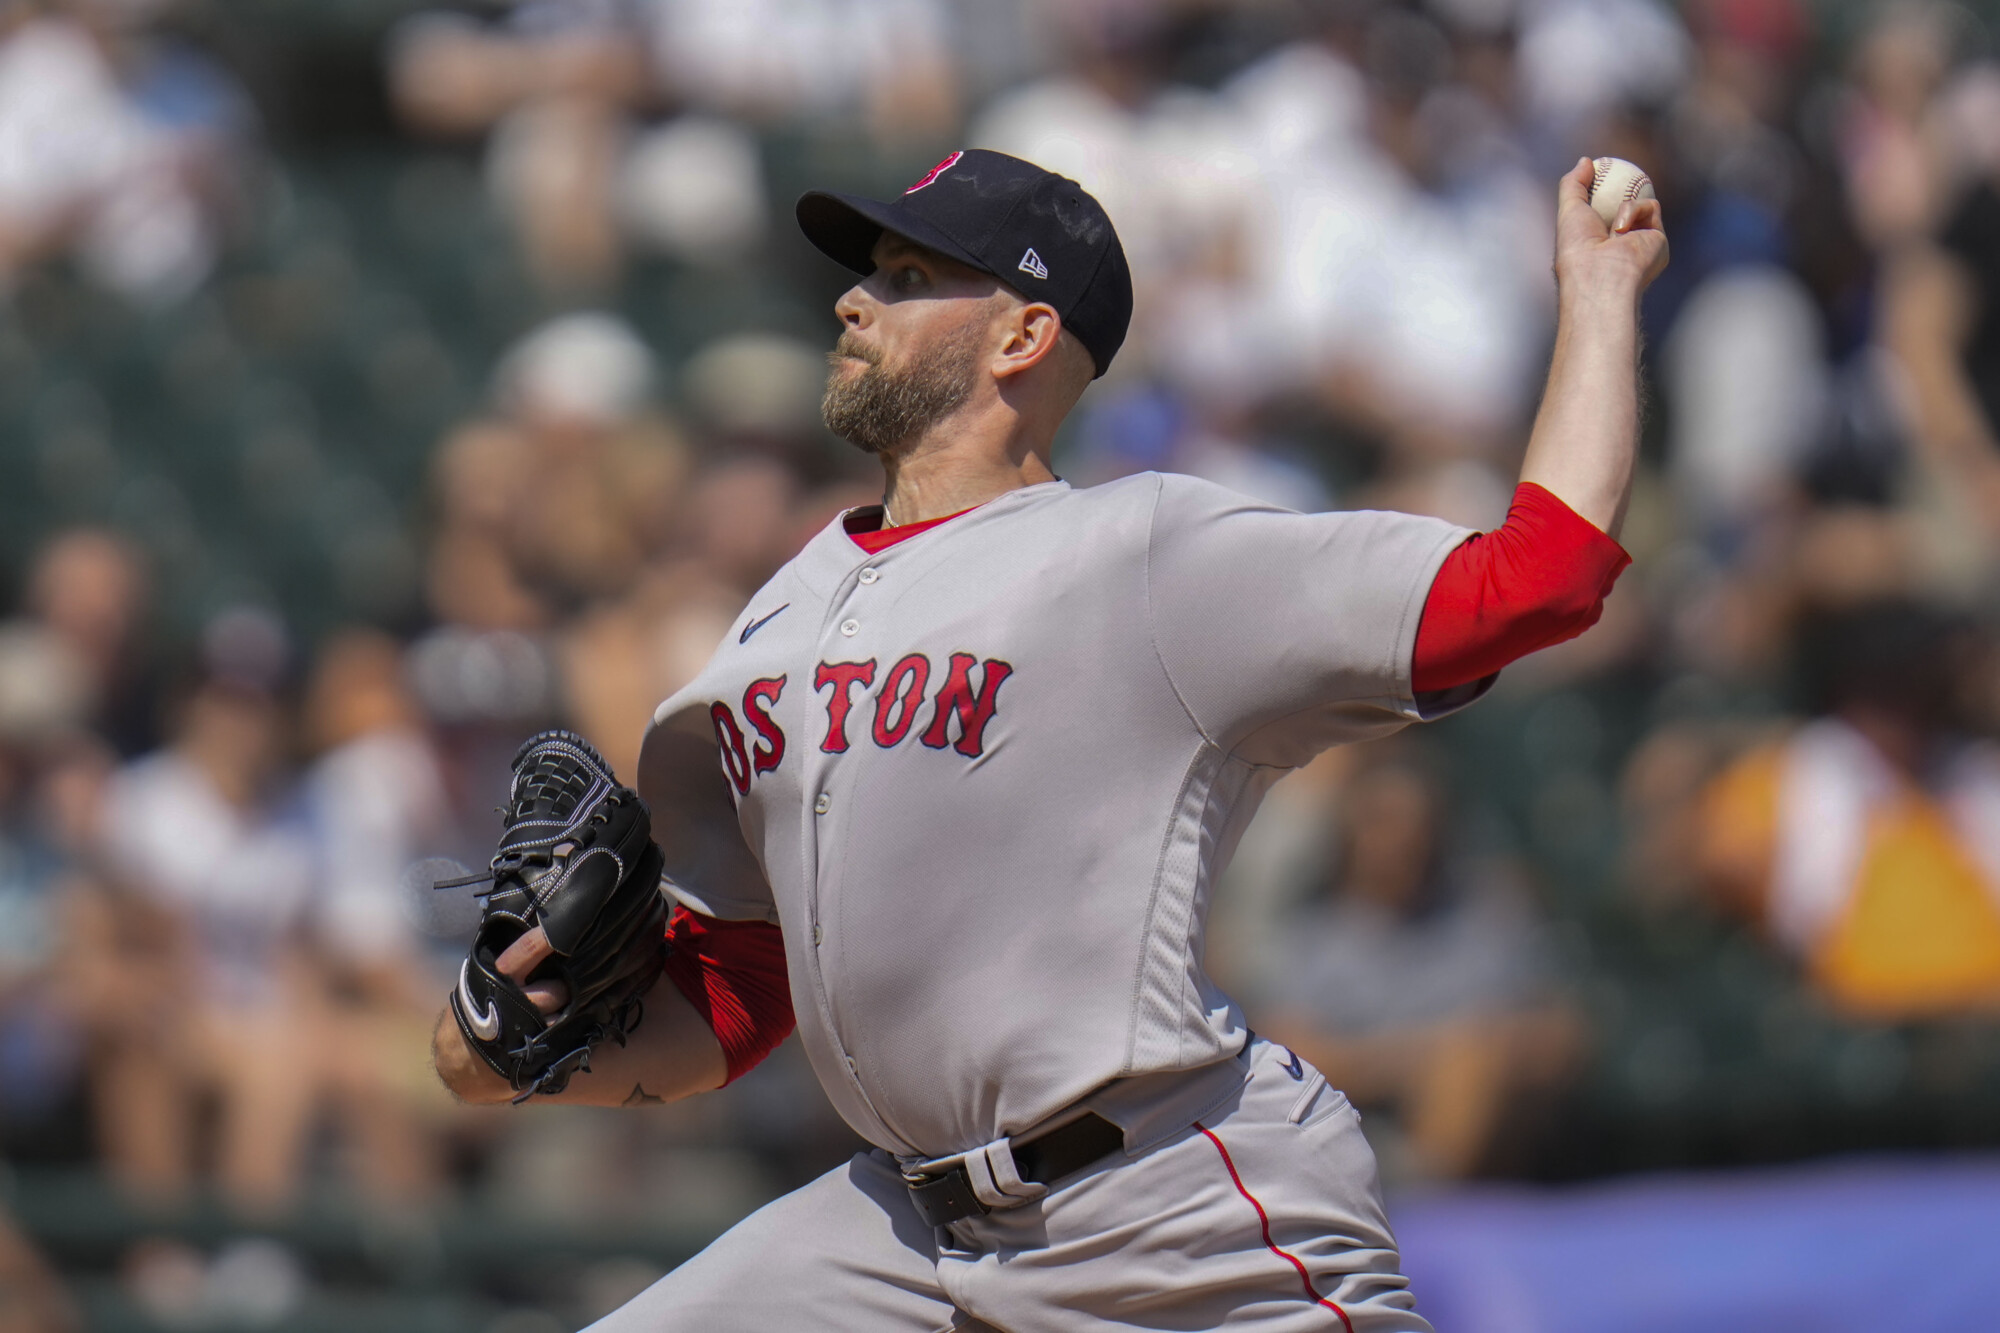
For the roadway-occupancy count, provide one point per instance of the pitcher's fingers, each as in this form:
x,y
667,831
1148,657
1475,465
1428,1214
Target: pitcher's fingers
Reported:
x,y
1642,215
1574,187
548,996
1575,217
524,955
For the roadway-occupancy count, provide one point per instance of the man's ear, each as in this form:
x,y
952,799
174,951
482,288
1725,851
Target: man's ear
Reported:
x,y
1031,331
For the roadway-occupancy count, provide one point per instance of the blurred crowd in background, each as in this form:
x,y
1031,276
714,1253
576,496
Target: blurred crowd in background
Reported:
x,y
381,383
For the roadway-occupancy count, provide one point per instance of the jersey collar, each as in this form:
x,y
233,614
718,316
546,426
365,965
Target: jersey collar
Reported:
x,y
831,556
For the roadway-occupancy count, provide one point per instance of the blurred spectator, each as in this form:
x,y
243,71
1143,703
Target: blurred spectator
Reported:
x,y
115,146
42,685
693,189
451,74
31,1299
1582,60
553,82
89,588
1745,374
377,798
1418,979
1864,843
888,65
1347,221
1744,355
758,394
43,755
1893,150
560,495
1941,314
378,804
555,503
1396,244
621,658
567,92
205,842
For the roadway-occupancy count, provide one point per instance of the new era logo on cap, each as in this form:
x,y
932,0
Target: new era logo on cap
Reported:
x,y
1003,217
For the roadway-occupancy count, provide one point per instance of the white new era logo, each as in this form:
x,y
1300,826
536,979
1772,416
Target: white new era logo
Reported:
x,y
1032,263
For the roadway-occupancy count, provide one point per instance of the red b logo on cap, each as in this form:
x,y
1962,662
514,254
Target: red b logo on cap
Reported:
x,y
936,172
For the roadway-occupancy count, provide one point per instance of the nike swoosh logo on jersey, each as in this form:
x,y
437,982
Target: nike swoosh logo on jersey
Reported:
x,y
485,1023
756,625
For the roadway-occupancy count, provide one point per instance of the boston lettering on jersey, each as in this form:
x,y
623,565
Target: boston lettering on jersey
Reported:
x,y
960,710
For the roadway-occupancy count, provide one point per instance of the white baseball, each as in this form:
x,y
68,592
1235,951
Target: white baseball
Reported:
x,y
1616,182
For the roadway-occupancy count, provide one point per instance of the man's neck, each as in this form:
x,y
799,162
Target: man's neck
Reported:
x,y
940,476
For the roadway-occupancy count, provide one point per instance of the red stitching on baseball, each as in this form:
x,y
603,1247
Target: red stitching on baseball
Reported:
x,y
1264,1221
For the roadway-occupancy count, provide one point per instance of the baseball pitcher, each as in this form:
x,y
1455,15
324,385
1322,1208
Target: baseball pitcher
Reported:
x,y
990,745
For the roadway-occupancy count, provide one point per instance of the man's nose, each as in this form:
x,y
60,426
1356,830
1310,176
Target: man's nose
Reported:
x,y
852,307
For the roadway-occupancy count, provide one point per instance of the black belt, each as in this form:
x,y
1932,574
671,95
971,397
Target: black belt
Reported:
x,y
946,1197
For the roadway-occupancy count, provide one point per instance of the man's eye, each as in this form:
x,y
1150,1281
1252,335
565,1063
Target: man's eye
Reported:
x,y
909,278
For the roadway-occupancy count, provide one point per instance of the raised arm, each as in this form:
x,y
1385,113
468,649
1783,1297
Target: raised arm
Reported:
x,y
1586,435
1542,577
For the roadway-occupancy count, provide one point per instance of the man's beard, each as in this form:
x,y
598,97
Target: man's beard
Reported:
x,y
879,408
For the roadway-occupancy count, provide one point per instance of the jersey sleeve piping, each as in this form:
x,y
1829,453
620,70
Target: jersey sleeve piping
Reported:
x,y
1152,633
1153,906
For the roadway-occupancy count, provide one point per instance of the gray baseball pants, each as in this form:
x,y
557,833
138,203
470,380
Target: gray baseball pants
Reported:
x,y
1262,1214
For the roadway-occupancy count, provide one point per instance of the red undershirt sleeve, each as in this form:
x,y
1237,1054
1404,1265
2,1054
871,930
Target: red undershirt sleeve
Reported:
x,y
733,973
1538,579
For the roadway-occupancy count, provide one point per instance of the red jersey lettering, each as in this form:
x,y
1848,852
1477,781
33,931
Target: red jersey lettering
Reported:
x,y
757,703
729,739
973,711
896,707
843,676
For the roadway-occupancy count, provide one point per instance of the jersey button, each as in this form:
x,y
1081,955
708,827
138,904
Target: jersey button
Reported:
x,y
823,804
819,935
850,627
870,574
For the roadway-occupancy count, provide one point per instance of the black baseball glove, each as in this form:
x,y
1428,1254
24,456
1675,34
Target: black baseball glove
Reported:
x,y
577,859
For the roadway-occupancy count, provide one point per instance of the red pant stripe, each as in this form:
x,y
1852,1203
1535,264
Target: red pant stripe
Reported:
x,y
1264,1221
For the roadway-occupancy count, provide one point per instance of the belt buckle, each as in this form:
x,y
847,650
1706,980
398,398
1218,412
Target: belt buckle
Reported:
x,y
945,1198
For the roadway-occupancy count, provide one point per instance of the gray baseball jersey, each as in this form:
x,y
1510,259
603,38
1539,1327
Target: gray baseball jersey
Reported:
x,y
991,774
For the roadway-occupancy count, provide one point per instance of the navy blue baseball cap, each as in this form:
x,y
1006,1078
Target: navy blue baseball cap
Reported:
x,y
1038,232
